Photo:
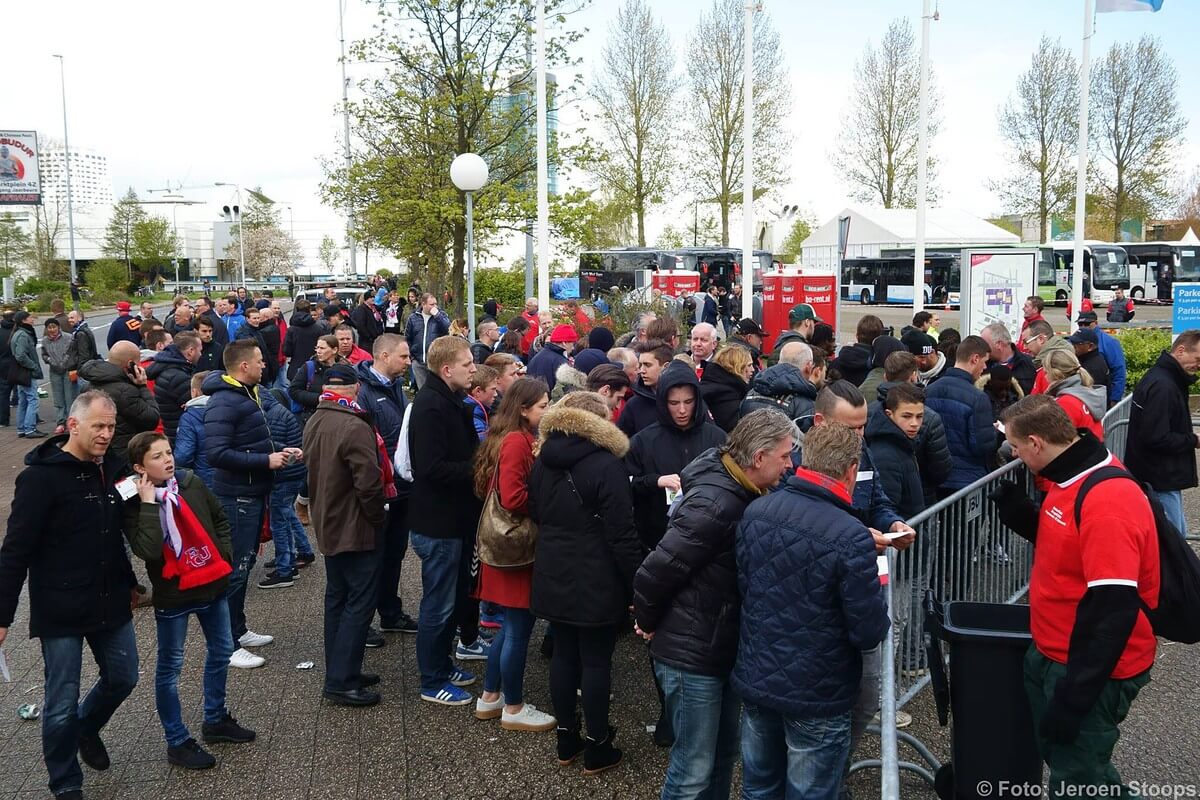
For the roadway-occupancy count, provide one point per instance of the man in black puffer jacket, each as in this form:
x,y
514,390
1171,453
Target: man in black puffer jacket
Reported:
x,y
121,378
244,459
172,371
785,387
301,338
686,598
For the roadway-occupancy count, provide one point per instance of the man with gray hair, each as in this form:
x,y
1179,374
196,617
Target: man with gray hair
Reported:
x,y
786,386
66,535
638,334
1003,351
686,598
704,345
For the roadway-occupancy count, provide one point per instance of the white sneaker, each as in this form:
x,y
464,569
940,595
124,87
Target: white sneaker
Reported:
x,y
903,719
252,639
485,709
528,719
244,659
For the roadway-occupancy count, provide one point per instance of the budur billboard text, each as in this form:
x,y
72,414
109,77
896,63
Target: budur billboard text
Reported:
x,y
20,182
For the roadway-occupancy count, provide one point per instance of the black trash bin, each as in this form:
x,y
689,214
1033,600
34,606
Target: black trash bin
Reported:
x,y
992,734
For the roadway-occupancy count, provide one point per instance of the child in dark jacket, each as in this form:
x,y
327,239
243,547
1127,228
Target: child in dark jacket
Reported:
x,y
189,438
292,548
176,525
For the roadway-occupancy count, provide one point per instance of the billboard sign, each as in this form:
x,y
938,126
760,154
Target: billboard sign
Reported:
x,y
20,183
995,285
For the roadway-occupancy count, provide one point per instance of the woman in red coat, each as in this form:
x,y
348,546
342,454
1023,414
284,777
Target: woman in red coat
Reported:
x,y
502,463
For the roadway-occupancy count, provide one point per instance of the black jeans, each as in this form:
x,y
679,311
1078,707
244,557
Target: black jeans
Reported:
x,y
5,408
582,660
351,591
466,610
395,546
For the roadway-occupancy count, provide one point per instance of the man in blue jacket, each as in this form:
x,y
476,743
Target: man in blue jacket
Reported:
x,y
381,391
811,604
966,414
243,457
1114,356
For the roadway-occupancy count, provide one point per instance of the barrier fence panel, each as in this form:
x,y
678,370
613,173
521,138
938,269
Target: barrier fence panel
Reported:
x,y
962,552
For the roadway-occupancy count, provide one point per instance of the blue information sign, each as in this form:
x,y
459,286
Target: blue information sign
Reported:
x,y
1186,309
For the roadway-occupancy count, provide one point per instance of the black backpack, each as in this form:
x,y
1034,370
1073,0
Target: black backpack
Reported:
x,y
1177,616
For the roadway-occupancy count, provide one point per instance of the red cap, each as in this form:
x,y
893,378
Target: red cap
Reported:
x,y
563,333
123,305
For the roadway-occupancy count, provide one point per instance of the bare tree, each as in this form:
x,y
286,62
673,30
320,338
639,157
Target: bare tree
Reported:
x,y
715,80
1188,210
635,92
877,151
1040,125
1137,127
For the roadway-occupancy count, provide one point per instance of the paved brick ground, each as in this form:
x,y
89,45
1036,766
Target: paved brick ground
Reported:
x,y
404,748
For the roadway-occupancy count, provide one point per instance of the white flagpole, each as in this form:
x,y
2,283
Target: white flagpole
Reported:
x,y
1089,15
748,162
543,167
922,150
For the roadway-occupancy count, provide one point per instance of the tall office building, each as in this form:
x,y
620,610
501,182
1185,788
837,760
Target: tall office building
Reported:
x,y
91,184
524,100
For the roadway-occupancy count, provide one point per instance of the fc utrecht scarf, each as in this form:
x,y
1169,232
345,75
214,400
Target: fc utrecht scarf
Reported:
x,y
188,551
385,462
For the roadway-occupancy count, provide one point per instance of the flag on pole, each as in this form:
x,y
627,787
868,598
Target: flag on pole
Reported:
x,y
1103,6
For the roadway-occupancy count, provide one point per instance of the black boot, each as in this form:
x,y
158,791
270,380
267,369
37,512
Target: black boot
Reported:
x,y
601,755
570,745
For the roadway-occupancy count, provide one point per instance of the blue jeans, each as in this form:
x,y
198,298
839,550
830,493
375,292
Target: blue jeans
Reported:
x,y
506,660
286,531
867,704
64,391
705,714
792,758
1172,503
64,718
27,408
350,591
435,623
172,624
245,516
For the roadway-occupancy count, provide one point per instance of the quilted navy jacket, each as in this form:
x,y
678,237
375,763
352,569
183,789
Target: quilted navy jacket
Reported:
x,y
967,417
811,601
237,438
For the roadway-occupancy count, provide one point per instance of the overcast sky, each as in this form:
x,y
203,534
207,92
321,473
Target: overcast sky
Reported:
x,y
194,92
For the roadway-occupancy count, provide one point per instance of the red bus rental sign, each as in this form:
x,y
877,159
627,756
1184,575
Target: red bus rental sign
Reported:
x,y
20,183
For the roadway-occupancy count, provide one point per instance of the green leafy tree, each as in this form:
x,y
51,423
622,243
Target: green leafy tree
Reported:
x,y
452,81
107,276
16,245
154,244
329,253
670,238
791,245
1137,129
118,237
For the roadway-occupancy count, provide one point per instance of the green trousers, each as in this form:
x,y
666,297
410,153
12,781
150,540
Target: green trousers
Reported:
x,y
1087,761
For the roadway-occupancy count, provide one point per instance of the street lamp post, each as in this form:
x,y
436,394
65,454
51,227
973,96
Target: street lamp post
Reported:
x,y
62,76
469,173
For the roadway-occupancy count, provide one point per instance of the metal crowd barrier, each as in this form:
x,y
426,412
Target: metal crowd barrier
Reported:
x,y
962,552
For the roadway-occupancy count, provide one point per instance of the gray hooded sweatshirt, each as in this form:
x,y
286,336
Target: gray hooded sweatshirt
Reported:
x,y
1094,397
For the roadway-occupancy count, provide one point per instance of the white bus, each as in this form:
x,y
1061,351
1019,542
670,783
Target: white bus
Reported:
x,y
1105,267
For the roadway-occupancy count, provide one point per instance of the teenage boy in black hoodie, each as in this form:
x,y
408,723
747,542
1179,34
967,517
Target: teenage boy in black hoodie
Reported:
x,y
641,409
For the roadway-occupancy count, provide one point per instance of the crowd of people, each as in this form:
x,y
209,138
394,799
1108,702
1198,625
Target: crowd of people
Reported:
x,y
725,505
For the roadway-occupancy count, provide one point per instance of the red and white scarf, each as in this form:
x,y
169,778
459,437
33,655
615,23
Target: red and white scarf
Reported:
x,y
188,551
386,470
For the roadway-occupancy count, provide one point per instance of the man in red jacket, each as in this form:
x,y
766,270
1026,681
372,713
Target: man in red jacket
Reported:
x,y
1033,312
1093,574
531,316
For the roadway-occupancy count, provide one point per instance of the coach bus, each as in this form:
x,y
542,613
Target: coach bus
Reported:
x,y
889,279
604,270
1154,266
1105,267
